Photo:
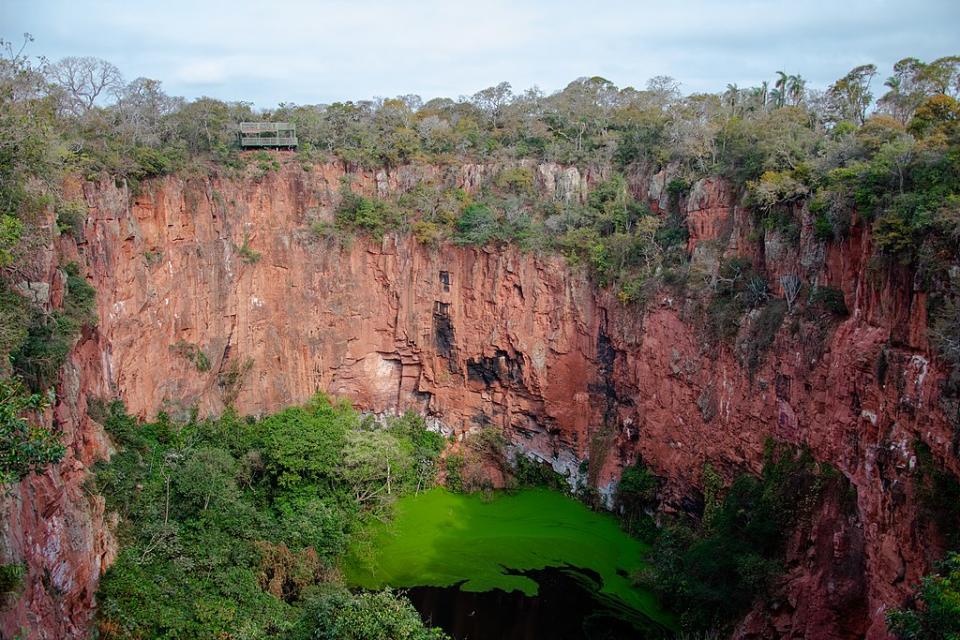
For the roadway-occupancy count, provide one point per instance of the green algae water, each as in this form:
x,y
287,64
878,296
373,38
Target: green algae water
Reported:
x,y
507,545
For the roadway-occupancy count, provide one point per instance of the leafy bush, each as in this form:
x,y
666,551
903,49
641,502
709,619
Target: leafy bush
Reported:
x,y
70,218
712,575
364,215
453,468
636,499
11,578
537,473
24,447
51,336
14,320
340,615
477,225
938,491
518,180
760,337
193,353
830,299
936,613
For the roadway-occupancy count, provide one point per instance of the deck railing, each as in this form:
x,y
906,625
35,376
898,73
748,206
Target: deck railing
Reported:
x,y
270,141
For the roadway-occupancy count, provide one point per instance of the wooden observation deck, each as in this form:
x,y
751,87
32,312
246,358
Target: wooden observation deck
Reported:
x,y
255,135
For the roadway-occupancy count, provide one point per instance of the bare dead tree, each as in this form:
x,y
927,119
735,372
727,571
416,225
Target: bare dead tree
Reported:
x,y
83,80
791,288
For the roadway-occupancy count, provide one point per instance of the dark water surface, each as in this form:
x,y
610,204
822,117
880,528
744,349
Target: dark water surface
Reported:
x,y
566,607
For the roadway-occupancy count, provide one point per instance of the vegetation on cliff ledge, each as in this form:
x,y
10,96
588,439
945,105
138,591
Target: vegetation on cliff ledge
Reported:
x,y
712,570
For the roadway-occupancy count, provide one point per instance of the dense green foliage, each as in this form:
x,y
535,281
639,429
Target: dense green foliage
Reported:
x,y
338,614
938,615
11,578
24,447
636,500
529,472
231,527
50,336
711,574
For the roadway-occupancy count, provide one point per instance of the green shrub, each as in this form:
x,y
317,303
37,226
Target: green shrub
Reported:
x,y
711,576
938,491
11,230
518,180
337,614
193,353
636,499
830,299
11,578
247,253
150,162
453,467
14,320
51,336
365,216
936,614
763,331
822,228
537,473
24,447
428,233
70,218
477,225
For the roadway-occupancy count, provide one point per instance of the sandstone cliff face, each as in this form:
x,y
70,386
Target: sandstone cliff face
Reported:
x,y
49,522
474,337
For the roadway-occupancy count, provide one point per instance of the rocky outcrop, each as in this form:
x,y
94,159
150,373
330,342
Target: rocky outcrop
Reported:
x,y
477,337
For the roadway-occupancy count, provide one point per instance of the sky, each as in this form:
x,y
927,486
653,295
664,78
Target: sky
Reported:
x,y
321,51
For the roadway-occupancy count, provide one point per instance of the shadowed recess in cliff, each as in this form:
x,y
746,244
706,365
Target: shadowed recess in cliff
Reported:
x,y
440,539
500,368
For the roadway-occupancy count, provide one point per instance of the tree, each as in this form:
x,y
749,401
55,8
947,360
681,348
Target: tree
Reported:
x,y
305,444
82,81
208,124
492,101
796,89
207,476
791,284
24,447
937,614
373,463
850,97
779,92
907,89
664,89
477,225
731,98
143,107
943,75
340,615
939,113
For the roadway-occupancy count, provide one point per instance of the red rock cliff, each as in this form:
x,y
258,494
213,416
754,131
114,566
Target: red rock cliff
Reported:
x,y
481,336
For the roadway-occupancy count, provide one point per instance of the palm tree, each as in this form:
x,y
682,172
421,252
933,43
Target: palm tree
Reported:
x,y
731,97
780,89
796,88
